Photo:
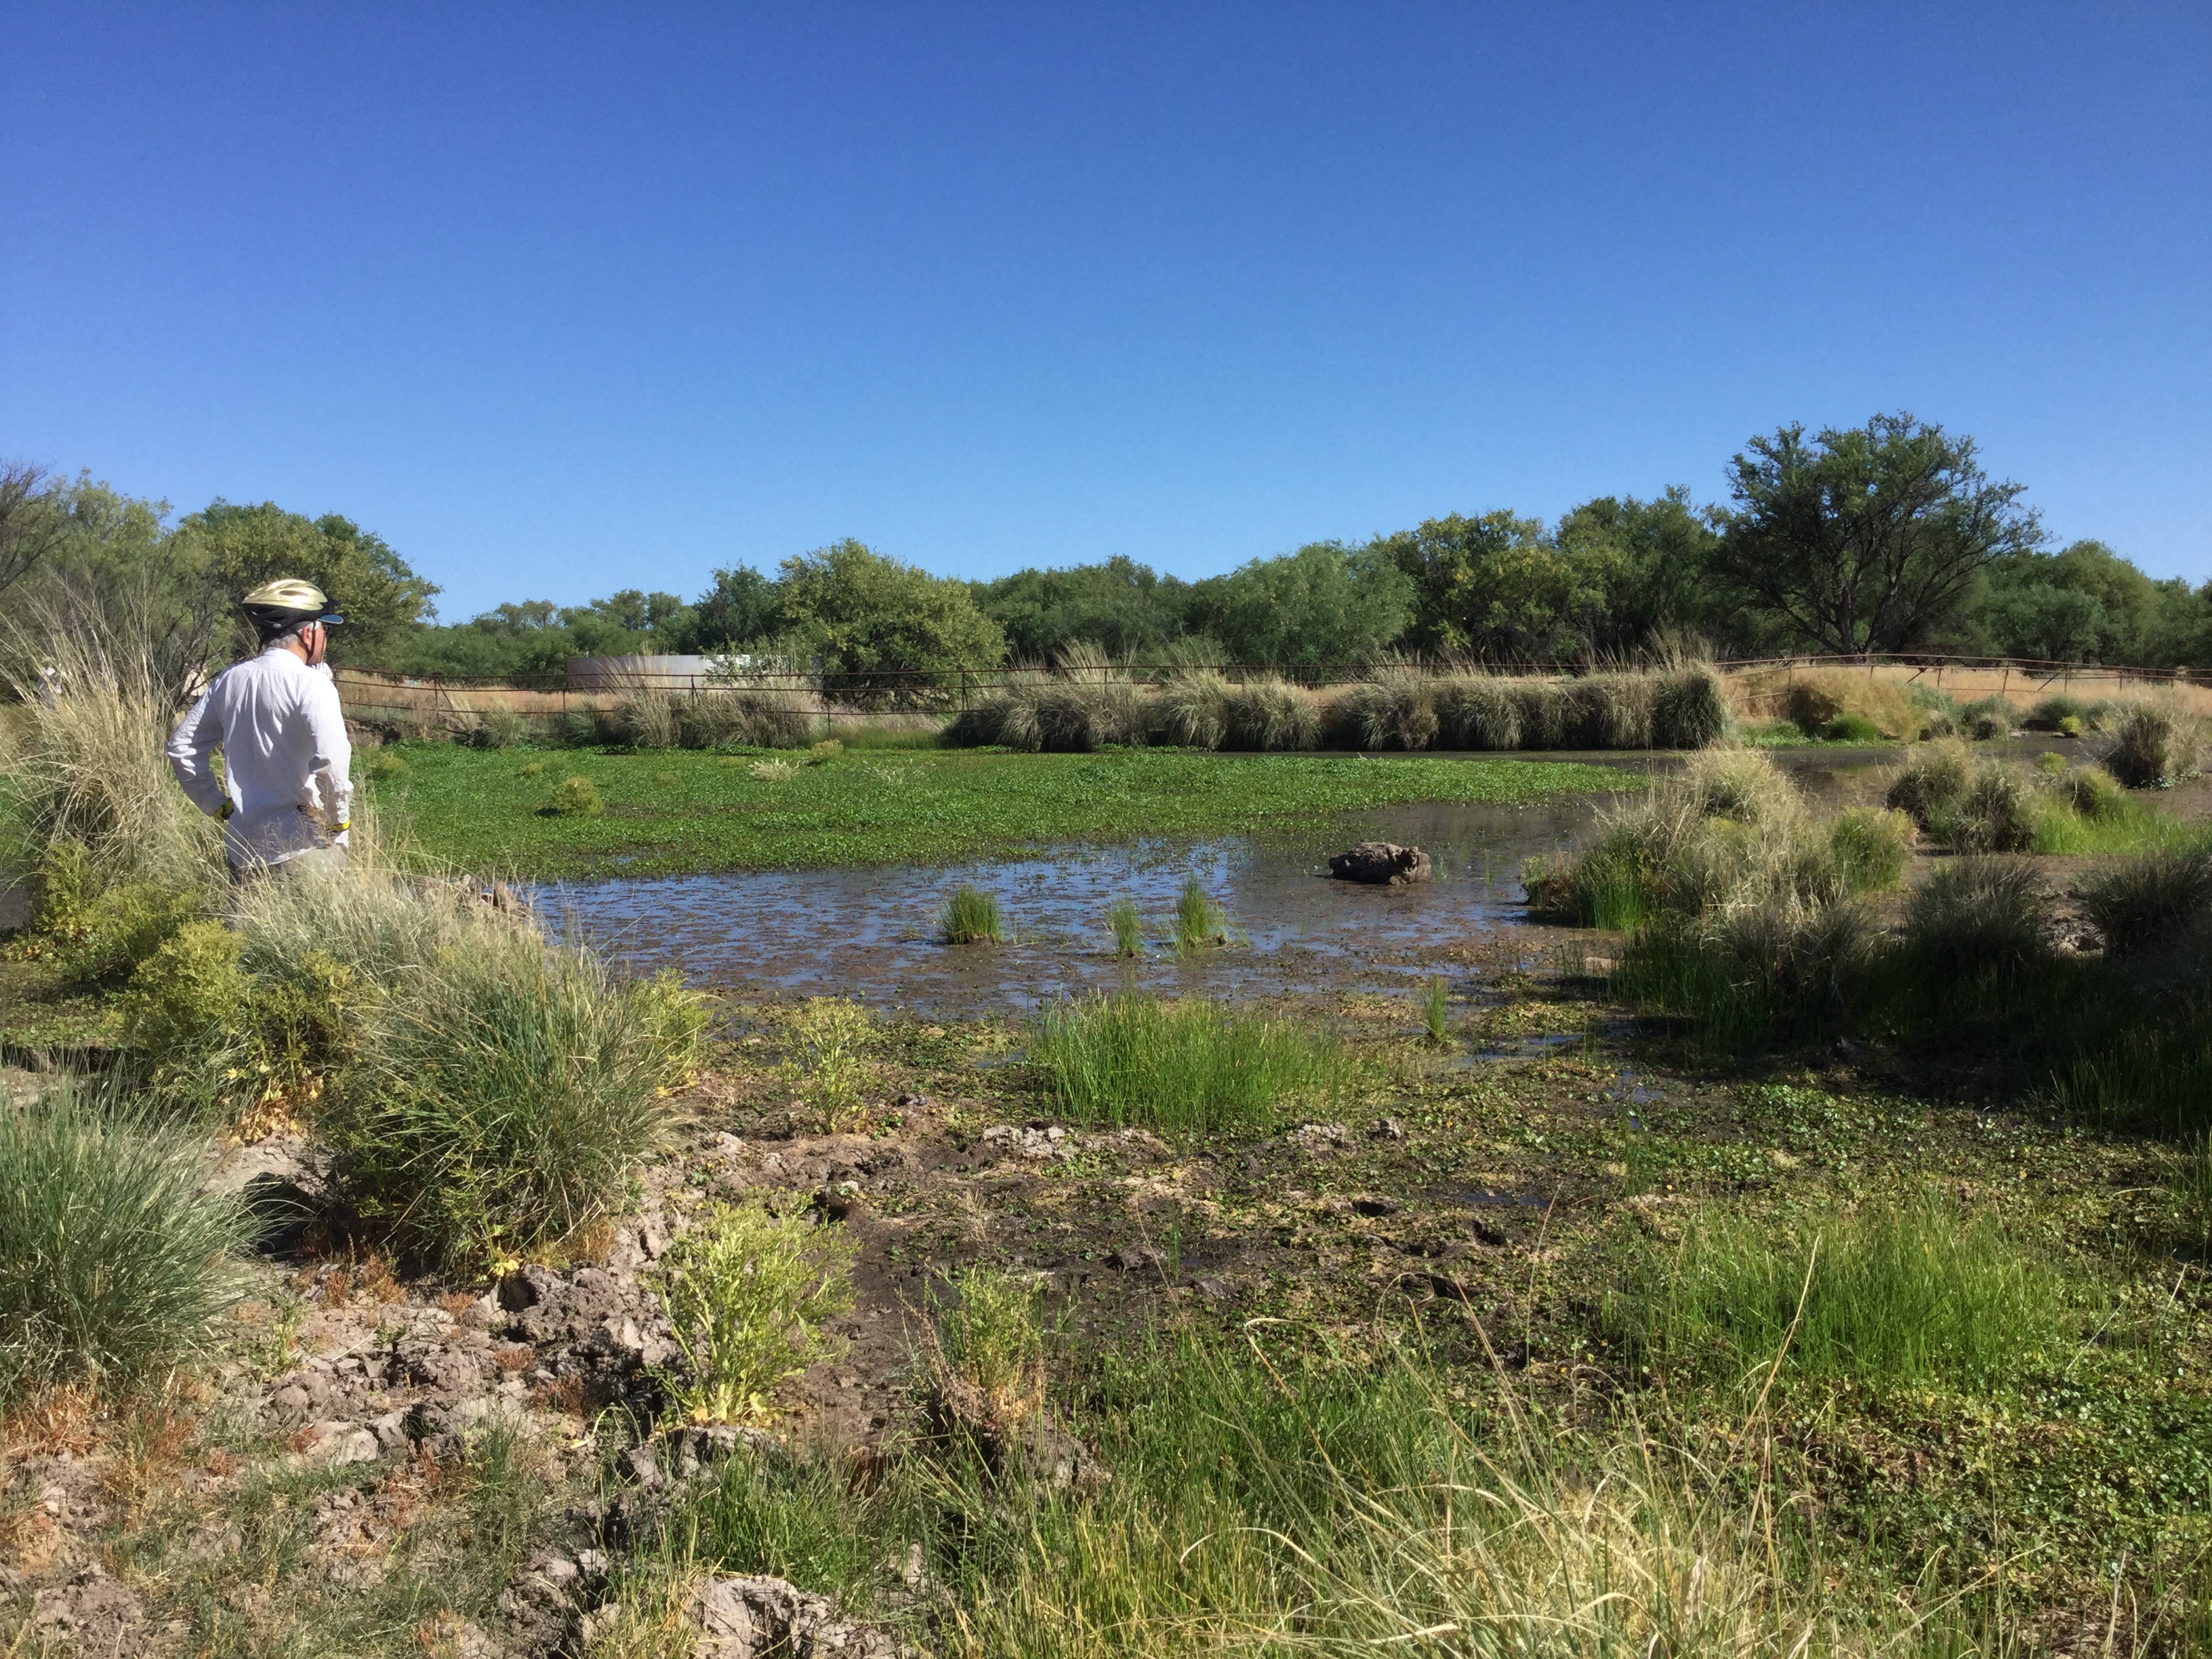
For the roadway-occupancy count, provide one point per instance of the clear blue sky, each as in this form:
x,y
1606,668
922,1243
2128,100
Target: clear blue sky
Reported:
x,y
563,299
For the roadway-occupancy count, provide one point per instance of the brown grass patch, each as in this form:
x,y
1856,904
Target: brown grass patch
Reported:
x,y
64,1419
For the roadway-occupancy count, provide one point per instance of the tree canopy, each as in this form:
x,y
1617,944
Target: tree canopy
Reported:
x,y
878,623
1866,538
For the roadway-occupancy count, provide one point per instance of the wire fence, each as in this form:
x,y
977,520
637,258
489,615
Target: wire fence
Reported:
x,y
427,701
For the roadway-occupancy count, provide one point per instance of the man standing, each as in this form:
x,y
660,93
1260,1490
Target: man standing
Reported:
x,y
284,793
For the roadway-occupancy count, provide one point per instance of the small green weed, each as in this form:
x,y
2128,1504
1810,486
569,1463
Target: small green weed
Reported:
x,y
1199,921
384,766
1126,927
1435,1009
749,1294
828,1069
533,769
575,797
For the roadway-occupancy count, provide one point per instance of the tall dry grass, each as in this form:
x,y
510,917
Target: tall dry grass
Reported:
x,y
90,768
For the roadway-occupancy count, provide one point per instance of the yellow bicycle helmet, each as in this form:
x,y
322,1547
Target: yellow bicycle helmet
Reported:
x,y
277,608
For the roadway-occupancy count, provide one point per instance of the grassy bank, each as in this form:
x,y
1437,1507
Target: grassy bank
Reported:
x,y
673,811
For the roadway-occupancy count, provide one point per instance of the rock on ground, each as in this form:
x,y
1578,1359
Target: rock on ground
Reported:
x,y
1381,864
758,1618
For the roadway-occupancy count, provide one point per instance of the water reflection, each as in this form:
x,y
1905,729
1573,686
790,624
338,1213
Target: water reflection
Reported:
x,y
868,931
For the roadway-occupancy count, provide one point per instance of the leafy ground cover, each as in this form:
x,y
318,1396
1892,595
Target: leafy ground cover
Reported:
x,y
1276,1337
674,811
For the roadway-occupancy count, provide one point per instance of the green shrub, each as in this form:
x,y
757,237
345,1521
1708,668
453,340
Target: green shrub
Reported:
x,y
1930,782
1886,1293
970,916
2050,763
2143,901
1851,728
828,1035
2157,746
576,797
2071,726
114,1260
989,1343
125,925
749,1294
1690,710
384,765
1870,848
65,885
501,1101
675,1019
533,769
1191,1067
229,1041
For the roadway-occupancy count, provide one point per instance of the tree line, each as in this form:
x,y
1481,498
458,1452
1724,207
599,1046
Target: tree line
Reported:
x,y
1885,538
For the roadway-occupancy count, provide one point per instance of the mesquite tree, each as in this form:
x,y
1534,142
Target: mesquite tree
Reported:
x,y
1866,538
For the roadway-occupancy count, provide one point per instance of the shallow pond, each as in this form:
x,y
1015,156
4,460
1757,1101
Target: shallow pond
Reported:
x,y
870,932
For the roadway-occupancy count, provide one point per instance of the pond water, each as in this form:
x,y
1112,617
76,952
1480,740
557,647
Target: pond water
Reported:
x,y
870,932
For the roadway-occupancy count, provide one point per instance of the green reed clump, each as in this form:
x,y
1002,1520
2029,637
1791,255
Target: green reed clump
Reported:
x,y
2157,745
970,916
1183,1066
502,1099
1397,709
1870,848
1995,813
115,1260
1126,927
1199,921
1758,975
2145,902
1931,779
1977,940
1436,1009
1896,1293
1477,711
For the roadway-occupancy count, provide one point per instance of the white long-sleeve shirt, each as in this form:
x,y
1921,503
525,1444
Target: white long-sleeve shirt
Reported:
x,y
285,758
